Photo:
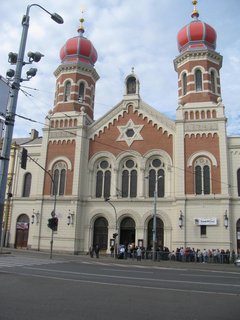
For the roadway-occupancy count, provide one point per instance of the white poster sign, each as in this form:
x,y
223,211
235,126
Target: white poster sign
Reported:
x,y
206,221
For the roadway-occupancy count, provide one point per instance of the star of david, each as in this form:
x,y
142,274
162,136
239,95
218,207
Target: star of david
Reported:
x,y
130,132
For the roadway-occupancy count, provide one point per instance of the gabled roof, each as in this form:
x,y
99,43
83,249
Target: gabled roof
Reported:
x,y
27,141
143,109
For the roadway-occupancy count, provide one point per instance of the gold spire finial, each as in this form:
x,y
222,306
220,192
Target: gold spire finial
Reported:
x,y
195,13
81,27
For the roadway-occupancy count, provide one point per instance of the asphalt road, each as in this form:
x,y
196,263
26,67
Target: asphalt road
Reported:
x,y
69,288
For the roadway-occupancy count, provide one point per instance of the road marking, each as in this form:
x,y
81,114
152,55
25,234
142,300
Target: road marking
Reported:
x,y
120,270
124,285
135,278
208,276
11,261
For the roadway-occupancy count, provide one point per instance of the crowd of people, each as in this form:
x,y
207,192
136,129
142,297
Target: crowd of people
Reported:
x,y
180,254
203,256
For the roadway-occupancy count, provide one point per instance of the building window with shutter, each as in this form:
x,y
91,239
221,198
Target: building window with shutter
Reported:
x,y
27,184
81,92
156,178
213,82
59,178
202,176
103,179
129,179
203,231
67,91
198,80
238,182
184,84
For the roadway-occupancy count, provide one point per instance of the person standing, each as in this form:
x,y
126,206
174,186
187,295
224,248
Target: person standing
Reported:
x,y
97,249
139,254
112,251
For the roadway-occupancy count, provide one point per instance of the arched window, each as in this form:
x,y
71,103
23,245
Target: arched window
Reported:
x,y
198,80
213,82
92,96
27,185
129,179
238,181
59,178
103,179
81,92
131,85
184,84
156,178
202,176
67,91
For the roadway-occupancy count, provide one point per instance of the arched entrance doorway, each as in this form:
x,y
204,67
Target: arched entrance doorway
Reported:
x,y
127,231
238,236
22,229
100,234
159,234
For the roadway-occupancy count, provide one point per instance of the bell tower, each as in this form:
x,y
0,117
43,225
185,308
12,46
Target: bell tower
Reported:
x,y
64,139
198,64
201,121
76,76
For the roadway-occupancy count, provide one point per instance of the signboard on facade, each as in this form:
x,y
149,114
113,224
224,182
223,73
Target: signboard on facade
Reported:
x,y
206,221
4,95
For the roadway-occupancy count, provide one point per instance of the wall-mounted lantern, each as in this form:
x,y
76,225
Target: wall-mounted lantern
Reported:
x,y
226,220
70,217
180,219
35,215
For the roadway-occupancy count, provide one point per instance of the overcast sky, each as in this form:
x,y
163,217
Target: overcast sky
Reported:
x,y
126,33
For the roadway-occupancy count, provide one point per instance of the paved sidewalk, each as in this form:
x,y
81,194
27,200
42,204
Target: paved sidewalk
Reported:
x,y
172,264
208,267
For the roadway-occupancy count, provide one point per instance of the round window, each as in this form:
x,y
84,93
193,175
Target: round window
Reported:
x,y
104,164
156,163
129,164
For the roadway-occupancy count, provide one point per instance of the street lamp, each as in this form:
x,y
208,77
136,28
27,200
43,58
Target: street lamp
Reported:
x,y
115,234
155,217
13,97
154,230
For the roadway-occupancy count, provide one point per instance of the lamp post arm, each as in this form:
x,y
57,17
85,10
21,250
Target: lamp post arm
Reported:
x,y
115,211
52,179
12,105
10,117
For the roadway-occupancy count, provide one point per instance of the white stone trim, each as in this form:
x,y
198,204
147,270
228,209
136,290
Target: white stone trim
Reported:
x,y
62,158
201,153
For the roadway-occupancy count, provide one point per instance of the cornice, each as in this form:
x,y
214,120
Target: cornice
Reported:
x,y
197,55
76,67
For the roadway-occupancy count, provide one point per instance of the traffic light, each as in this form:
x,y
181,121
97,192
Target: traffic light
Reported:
x,y
115,235
24,158
53,223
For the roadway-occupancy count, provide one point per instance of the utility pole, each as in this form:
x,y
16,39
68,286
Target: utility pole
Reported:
x,y
17,59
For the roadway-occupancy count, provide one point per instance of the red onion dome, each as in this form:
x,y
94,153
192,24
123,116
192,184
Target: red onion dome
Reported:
x,y
79,49
196,35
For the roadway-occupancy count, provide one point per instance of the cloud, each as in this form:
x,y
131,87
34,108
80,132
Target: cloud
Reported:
x,y
126,33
